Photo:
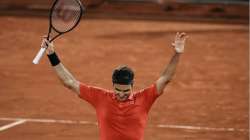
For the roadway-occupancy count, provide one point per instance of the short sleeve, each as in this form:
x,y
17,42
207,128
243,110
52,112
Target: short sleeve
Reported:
x,y
91,94
149,95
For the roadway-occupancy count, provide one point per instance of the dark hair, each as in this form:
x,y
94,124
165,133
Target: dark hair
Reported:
x,y
123,75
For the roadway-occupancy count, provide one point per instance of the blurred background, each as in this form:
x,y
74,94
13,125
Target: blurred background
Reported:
x,y
208,99
172,9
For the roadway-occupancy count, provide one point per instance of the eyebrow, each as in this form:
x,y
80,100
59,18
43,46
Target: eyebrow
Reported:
x,y
122,90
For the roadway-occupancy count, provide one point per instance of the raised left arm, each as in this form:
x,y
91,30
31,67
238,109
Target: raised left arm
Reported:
x,y
170,69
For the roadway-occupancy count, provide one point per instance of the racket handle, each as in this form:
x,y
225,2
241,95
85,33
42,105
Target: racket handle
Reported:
x,y
39,55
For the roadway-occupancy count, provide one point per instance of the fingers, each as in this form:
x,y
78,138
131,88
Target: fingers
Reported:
x,y
177,35
182,35
46,43
45,37
173,44
179,42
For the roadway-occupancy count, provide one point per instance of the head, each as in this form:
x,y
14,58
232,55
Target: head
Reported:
x,y
123,79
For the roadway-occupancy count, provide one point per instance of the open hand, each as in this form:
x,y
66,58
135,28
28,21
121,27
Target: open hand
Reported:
x,y
179,42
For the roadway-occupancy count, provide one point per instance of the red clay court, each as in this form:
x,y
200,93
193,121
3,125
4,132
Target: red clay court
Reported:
x,y
207,100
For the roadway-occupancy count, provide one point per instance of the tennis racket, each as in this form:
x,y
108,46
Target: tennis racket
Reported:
x,y
64,16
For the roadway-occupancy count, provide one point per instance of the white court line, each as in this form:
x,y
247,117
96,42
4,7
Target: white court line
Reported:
x,y
201,128
50,121
17,122
185,127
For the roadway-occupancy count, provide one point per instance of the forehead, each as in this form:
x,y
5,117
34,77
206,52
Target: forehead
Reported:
x,y
122,86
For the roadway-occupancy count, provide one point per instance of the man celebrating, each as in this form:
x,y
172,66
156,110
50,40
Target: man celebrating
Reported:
x,y
121,113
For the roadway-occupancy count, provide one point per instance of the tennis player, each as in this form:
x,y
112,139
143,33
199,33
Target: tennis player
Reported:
x,y
121,113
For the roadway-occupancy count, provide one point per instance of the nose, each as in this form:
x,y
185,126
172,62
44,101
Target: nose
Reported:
x,y
121,95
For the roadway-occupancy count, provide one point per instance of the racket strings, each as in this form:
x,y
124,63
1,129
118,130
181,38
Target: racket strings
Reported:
x,y
65,15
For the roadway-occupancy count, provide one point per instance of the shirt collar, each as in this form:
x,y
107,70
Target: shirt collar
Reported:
x,y
130,98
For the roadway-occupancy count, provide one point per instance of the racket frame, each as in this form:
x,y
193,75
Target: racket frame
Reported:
x,y
42,50
52,27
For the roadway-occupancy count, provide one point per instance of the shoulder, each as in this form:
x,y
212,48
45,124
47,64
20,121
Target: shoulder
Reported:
x,y
92,89
148,90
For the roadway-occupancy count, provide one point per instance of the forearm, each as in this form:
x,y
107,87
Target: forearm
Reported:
x,y
66,77
167,74
170,69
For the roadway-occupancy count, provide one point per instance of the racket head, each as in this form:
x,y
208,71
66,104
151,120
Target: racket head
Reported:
x,y
64,16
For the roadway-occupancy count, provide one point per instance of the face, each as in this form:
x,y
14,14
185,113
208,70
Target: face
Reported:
x,y
122,92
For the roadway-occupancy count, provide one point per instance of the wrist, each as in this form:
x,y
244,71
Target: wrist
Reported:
x,y
178,52
53,58
49,52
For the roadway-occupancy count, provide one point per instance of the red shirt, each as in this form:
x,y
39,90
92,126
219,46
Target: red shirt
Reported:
x,y
120,120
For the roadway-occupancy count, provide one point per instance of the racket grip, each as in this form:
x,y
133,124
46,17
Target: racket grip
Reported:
x,y
39,55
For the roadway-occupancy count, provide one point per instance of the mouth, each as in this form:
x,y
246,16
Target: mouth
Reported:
x,y
122,98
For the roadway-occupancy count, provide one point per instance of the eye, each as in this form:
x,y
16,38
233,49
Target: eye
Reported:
x,y
126,90
118,89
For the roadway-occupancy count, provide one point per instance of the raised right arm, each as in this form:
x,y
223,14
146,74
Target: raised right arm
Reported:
x,y
67,78
64,75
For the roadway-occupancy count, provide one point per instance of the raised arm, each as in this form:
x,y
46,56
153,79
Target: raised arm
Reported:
x,y
170,69
64,75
